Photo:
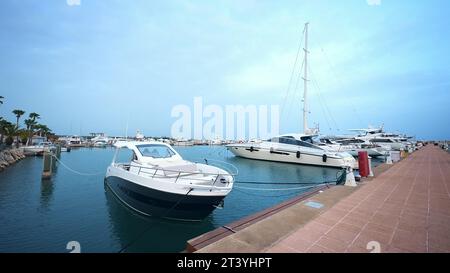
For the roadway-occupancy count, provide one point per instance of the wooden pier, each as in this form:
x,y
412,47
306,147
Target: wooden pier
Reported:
x,y
405,208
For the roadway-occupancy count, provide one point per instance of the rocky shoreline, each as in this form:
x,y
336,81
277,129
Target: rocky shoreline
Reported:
x,y
9,157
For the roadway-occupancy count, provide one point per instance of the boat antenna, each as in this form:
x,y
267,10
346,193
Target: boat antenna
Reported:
x,y
305,80
126,131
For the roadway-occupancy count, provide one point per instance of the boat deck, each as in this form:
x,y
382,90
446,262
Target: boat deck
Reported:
x,y
406,208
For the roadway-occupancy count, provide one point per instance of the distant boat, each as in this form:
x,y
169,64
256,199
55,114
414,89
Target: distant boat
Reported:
x,y
39,149
183,143
378,136
353,146
158,182
72,141
99,140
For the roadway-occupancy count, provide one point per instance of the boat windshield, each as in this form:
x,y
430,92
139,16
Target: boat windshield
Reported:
x,y
292,141
155,151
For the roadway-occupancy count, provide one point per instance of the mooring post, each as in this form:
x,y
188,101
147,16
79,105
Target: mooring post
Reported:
x,y
350,177
370,167
47,170
58,151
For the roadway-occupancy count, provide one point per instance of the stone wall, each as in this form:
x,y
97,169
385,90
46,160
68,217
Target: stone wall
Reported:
x,y
9,157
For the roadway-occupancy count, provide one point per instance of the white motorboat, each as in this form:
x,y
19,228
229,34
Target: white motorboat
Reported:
x,y
377,136
99,140
158,182
100,143
292,148
39,148
354,146
295,148
65,149
72,141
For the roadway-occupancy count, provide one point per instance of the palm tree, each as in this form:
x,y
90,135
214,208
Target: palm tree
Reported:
x,y
1,99
34,116
42,129
30,128
18,114
3,124
10,130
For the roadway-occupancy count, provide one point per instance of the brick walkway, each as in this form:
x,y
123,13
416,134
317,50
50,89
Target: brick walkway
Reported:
x,y
405,209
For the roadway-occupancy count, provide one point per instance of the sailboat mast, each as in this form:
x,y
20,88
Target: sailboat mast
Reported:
x,y
305,80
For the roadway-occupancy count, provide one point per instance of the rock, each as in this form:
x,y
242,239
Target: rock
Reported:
x,y
4,164
8,157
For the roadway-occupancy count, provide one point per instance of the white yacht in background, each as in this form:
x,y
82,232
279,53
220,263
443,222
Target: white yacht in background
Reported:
x,y
379,137
100,140
354,146
139,136
72,141
158,182
295,148
39,148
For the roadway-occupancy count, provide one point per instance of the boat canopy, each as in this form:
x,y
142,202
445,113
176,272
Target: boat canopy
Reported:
x,y
149,151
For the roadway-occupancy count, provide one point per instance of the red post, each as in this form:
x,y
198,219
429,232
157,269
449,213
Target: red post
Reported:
x,y
363,161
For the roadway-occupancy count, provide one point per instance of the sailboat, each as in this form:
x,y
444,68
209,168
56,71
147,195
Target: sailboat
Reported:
x,y
295,148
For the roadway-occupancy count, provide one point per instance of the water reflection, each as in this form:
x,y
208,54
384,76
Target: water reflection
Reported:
x,y
137,233
47,189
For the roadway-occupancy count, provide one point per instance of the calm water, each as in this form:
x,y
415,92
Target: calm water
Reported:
x,y
43,216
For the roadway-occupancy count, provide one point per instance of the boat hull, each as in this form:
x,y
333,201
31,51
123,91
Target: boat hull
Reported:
x,y
152,202
370,152
287,157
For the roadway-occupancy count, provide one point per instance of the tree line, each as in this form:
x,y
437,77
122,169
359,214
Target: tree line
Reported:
x,y
13,130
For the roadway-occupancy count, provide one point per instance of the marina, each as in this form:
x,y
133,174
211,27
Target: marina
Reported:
x,y
41,215
224,127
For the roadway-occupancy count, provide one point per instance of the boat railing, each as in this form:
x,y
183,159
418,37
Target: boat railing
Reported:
x,y
177,175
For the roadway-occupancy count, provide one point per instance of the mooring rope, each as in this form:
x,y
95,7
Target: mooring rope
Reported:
x,y
75,171
281,183
282,189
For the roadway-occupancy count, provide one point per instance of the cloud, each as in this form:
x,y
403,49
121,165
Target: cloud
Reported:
x,y
73,2
374,2
270,73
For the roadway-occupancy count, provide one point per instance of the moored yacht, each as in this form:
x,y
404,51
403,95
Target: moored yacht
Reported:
x,y
295,148
354,146
158,182
40,148
298,149
99,140
377,136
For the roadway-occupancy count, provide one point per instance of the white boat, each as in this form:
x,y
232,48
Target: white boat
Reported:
x,y
65,149
379,137
99,140
101,143
295,148
39,148
72,141
158,182
354,146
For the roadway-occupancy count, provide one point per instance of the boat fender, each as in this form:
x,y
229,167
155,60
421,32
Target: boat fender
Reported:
x,y
298,154
324,158
252,149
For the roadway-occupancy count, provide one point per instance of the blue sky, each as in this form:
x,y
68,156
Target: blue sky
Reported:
x,y
91,67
